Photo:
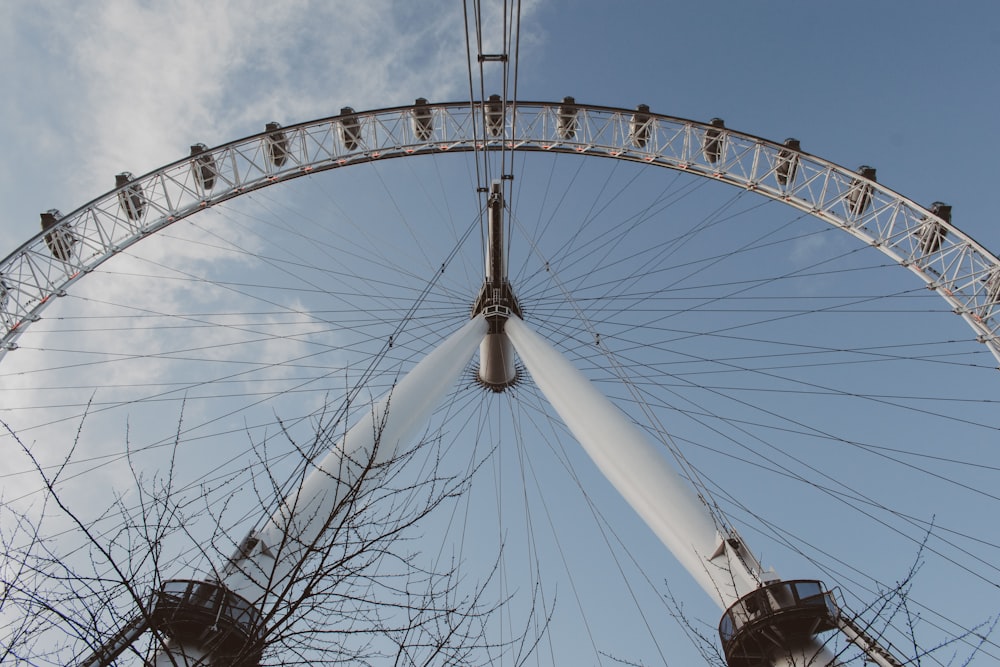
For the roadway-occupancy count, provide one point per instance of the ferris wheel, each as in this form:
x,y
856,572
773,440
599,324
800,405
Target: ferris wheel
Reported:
x,y
738,305
340,419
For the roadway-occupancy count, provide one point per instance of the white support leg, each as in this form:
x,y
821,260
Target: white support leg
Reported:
x,y
644,477
636,468
284,541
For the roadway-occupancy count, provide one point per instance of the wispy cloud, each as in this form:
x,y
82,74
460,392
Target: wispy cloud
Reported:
x,y
127,85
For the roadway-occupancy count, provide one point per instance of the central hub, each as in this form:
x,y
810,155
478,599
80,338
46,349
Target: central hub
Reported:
x,y
497,370
496,301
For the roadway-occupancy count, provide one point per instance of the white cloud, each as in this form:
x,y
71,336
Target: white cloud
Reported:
x,y
809,249
130,85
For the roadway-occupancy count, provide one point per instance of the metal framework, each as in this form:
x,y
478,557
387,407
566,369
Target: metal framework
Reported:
x,y
765,621
921,239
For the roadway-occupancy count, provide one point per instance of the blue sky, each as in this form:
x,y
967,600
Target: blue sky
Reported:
x,y
99,88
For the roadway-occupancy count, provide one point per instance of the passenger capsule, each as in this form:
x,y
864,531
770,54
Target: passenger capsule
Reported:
x,y
277,144
4,292
859,193
788,162
203,167
60,240
713,140
350,129
993,287
640,126
130,197
932,233
423,120
566,122
942,210
494,116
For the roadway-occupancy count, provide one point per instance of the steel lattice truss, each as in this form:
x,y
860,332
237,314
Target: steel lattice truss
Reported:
x,y
964,273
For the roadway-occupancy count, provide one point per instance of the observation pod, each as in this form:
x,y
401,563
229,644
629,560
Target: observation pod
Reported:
x,y
932,232
993,286
59,241
349,129
209,619
859,194
566,123
494,116
774,620
788,162
713,140
131,197
639,127
277,144
423,120
203,167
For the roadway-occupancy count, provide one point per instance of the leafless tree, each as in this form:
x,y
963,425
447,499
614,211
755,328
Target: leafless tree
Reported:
x,y
891,618
362,596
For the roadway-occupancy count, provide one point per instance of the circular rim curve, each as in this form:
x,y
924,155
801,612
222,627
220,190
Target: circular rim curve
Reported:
x,y
948,261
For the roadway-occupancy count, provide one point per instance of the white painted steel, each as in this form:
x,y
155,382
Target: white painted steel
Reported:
x,y
959,269
643,476
263,573
811,655
177,655
636,468
375,439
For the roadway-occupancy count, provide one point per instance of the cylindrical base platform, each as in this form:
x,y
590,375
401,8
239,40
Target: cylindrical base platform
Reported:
x,y
206,624
496,362
777,624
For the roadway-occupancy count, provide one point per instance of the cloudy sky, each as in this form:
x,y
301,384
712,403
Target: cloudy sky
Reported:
x,y
99,88
96,88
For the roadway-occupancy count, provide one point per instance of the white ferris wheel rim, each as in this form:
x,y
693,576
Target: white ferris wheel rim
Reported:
x,y
956,268
921,239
